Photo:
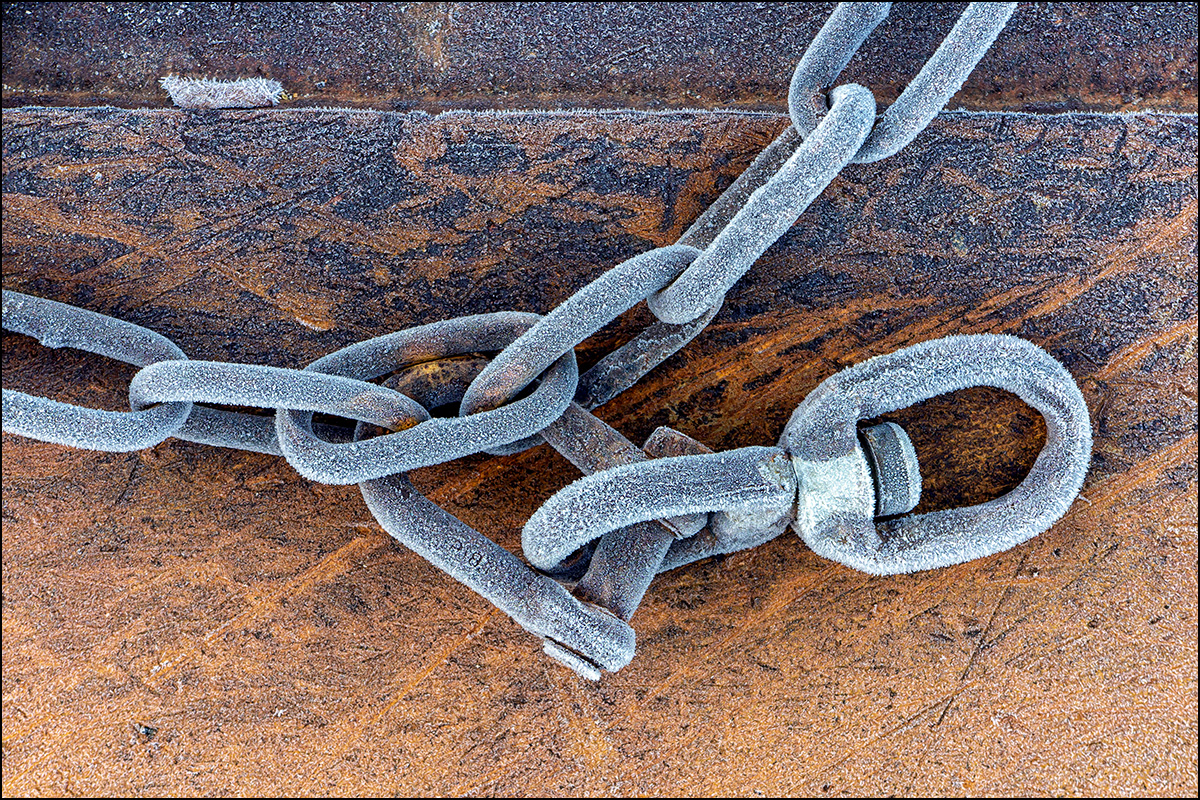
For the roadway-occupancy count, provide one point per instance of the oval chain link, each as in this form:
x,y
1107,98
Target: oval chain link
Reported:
x,y
437,440
939,79
56,325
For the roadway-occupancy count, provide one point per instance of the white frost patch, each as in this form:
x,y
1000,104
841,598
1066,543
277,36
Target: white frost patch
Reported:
x,y
207,93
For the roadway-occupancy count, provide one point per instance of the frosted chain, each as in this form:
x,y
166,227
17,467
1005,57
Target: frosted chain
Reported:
x,y
644,510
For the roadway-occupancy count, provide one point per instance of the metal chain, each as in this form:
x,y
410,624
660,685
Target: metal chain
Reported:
x,y
642,510
939,79
826,462
60,325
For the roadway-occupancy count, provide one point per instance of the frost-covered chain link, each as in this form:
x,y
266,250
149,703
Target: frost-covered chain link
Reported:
x,y
433,441
846,132
771,209
60,325
170,379
939,79
645,509
684,282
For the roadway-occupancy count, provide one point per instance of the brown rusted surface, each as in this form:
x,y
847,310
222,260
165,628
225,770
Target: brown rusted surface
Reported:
x,y
433,56
194,620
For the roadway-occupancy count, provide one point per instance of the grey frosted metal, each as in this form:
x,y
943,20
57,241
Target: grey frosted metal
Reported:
x,y
625,560
631,517
623,565
823,61
747,479
939,79
537,603
60,325
592,445
623,367
685,307
771,209
711,540
626,365
434,441
266,387
583,636
575,319
218,428
273,387
822,431
894,468
714,219
709,543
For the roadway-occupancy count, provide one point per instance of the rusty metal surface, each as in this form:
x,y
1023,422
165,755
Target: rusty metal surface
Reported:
x,y
188,619
433,56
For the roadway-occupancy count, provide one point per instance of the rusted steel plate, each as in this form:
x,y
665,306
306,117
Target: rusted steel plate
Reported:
x,y
432,56
188,619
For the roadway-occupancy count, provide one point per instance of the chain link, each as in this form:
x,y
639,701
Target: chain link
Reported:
x,y
433,441
60,325
939,79
771,209
641,510
577,318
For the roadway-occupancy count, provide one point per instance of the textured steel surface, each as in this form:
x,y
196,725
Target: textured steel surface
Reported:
x,y
433,56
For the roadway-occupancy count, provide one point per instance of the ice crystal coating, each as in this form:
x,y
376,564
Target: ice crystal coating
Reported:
x,y
927,94
772,208
537,603
745,479
60,325
209,93
434,441
575,319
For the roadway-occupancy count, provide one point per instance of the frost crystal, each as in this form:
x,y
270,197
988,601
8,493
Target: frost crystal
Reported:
x,y
207,93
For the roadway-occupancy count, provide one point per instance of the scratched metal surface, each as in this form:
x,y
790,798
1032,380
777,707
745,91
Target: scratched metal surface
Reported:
x,y
188,619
